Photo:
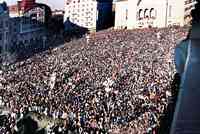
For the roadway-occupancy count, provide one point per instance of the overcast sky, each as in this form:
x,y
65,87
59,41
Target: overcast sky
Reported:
x,y
54,4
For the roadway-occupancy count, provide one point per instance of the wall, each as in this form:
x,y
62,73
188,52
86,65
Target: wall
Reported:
x,y
160,13
4,31
167,13
177,12
132,12
121,15
82,14
29,35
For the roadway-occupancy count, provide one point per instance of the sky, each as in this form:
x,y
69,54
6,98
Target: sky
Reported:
x,y
54,4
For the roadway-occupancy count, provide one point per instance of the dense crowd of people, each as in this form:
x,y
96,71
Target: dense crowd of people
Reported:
x,y
109,82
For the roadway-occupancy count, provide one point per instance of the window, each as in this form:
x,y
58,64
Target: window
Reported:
x,y
146,13
1,49
1,24
6,23
152,13
126,14
25,41
1,36
140,14
7,35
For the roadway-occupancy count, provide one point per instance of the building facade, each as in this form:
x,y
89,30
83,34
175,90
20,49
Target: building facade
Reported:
x,y
90,14
148,13
28,22
28,30
121,15
4,28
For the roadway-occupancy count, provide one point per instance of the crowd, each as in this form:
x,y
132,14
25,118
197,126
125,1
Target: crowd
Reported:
x,y
110,82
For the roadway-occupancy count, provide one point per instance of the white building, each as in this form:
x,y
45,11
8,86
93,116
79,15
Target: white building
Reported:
x,y
121,15
144,13
4,27
90,14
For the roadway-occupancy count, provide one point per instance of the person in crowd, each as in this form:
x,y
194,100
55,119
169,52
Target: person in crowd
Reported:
x,y
118,83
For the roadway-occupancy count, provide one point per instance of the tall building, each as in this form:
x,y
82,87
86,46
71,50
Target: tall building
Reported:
x,y
4,27
90,14
150,13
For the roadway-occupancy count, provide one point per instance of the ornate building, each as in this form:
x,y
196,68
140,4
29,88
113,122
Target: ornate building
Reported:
x,y
148,13
28,24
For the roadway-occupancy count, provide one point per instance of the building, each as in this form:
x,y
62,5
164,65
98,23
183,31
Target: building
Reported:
x,y
148,13
4,28
21,7
121,14
27,31
57,19
28,24
90,14
189,5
